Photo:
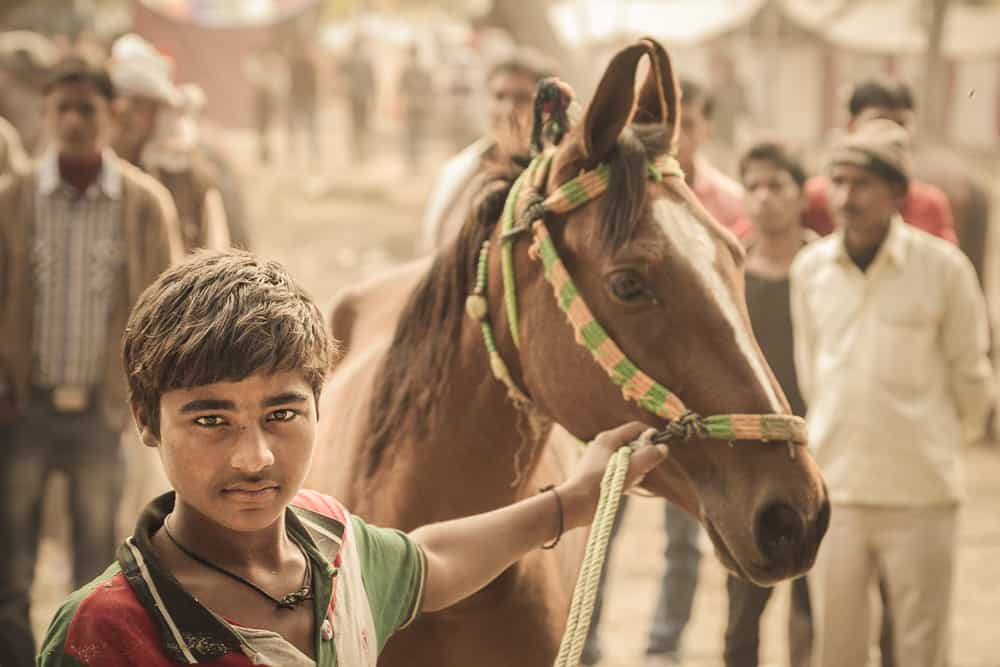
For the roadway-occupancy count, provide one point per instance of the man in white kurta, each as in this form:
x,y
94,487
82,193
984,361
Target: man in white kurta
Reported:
x,y
510,87
891,352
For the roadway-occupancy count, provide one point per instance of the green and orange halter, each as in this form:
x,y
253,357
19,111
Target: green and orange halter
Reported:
x,y
526,209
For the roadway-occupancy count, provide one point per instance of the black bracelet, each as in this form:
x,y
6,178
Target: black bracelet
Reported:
x,y
552,488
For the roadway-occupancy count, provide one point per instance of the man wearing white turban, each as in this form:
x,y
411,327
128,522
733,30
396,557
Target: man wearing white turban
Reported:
x,y
154,125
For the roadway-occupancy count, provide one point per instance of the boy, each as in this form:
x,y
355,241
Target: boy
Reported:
x,y
225,358
773,180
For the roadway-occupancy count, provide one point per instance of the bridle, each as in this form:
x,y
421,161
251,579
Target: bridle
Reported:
x,y
525,210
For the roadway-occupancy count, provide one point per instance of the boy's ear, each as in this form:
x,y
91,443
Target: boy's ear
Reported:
x,y
146,433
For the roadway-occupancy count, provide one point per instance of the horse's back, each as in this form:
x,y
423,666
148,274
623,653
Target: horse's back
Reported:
x,y
370,309
339,458
363,319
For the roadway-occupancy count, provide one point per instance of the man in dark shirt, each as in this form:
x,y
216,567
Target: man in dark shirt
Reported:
x,y
773,179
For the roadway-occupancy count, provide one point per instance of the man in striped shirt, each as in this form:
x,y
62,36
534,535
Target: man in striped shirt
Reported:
x,y
83,234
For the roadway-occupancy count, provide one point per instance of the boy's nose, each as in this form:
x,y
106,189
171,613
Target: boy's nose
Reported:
x,y
253,452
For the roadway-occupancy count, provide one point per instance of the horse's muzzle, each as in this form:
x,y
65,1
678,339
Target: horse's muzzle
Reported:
x,y
787,540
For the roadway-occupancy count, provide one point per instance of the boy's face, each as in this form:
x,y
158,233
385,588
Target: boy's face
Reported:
x,y
773,199
237,452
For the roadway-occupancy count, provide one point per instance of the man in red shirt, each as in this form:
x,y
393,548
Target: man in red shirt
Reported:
x,y
926,207
720,195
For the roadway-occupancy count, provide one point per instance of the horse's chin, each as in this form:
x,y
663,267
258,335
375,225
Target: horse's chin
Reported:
x,y
755,573
723,553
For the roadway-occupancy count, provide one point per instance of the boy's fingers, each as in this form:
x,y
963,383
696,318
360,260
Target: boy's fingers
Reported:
x,y
622,435
645,459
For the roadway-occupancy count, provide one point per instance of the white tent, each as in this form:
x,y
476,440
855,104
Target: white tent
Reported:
x,y
899,26
680,23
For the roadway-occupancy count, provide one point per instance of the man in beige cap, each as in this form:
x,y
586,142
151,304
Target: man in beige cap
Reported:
x,y
891,355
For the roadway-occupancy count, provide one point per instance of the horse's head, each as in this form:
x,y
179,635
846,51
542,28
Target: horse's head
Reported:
x,y
665,281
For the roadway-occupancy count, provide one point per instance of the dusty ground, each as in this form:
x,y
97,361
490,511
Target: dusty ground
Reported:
x,y
345,223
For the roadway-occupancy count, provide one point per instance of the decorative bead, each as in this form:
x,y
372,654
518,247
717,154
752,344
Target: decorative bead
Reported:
x,y
326,630
475,306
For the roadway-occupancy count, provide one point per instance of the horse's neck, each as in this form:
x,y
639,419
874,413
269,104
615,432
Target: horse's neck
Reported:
x,y
476,452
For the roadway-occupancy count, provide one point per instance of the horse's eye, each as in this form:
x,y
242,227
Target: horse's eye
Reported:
x,y
627,286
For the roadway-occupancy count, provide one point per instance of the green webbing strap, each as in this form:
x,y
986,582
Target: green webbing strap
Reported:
x,y
524,199
507,253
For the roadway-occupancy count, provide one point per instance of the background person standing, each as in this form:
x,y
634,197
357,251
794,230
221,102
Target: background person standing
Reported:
x,y
150,119
510,87
773,178
84,233
891,348
416,93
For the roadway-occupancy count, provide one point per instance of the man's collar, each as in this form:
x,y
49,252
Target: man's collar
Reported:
x,y
189,631
895,247
109,180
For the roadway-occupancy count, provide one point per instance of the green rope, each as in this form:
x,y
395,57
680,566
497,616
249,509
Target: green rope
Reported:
x,y
507,256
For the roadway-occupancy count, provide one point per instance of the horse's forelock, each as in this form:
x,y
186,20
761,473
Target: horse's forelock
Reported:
x,y
622,204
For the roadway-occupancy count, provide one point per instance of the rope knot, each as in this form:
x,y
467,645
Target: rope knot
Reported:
x,y
689,426
533,208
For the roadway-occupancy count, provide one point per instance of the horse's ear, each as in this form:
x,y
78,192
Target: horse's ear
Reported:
x,y
659,97
611,107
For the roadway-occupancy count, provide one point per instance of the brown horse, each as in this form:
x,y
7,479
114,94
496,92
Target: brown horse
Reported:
x,y
414,428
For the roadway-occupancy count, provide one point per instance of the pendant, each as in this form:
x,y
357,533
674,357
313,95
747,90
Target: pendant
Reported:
x,y
293,600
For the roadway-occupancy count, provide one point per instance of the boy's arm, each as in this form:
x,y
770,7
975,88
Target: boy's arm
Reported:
x,y
466,554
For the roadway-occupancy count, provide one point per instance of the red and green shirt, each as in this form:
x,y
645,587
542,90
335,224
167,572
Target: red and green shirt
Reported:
x,y
137,613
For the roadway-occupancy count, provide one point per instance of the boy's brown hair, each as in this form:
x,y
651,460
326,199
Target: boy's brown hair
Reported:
x,y
221,316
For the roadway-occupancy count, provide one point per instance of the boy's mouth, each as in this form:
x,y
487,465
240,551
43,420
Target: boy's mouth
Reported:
x,y
251,492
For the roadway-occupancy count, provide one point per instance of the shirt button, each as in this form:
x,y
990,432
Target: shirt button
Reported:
x,y
326,630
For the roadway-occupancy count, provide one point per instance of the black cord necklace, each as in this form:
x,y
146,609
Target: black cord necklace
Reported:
x,y
290,601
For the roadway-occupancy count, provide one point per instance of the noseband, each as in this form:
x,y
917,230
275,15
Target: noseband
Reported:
x,y
525,210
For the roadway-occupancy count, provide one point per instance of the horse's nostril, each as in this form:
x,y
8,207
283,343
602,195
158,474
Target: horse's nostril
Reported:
x,y
780,531
823,519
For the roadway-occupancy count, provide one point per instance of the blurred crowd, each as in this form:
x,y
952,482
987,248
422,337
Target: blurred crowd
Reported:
x,y
872,320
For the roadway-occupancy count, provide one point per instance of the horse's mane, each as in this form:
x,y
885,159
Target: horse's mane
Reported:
x,y
429,325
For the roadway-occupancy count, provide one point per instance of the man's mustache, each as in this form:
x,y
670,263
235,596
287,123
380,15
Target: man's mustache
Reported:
x,y
849,210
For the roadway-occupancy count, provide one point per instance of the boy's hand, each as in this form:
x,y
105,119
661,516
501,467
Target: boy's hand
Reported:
x,y
583,488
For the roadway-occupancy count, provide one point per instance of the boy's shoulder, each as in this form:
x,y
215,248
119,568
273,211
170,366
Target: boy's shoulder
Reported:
x,y
320,503
103,623
325,519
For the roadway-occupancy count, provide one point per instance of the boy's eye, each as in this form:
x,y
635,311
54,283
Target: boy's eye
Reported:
x,y
283,415
209,420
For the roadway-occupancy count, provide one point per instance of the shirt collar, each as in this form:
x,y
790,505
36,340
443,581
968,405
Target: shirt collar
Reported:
x,y
189,631
894,248
109,181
